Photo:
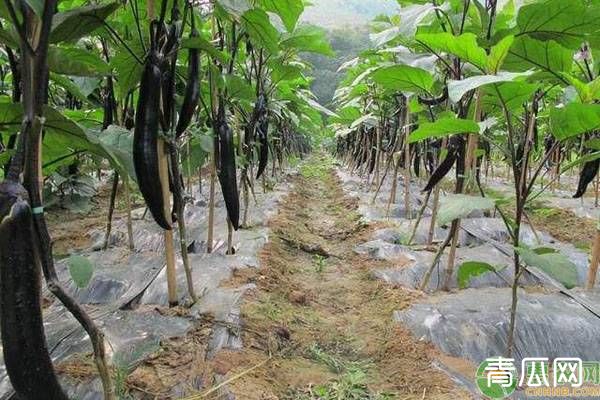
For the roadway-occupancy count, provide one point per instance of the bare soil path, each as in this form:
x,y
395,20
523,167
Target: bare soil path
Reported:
x,y
318,326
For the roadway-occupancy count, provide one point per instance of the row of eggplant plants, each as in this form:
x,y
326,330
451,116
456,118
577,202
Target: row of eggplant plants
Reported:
x,y
466,85
153,93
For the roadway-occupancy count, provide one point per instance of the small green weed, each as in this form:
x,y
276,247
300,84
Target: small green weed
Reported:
x,y
320,263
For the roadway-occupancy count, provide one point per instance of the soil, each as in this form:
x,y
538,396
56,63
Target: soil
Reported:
x,y
565,226
70,230
319,326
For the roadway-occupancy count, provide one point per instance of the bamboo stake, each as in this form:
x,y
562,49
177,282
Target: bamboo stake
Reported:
x,y
419,217
211,208
407,165
128,208
436,202
392,198
230,249
163,168
111,209
593,269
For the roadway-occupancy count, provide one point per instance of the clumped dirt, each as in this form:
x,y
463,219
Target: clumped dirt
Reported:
x,y
565,226
319,325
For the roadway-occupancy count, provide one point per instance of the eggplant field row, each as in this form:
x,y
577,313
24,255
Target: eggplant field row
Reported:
x,y
299,200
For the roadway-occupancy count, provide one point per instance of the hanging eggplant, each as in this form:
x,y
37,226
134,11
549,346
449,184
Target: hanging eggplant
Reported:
x,y
263,145
26,356
588,173
145,140
226,167
454,146
192,90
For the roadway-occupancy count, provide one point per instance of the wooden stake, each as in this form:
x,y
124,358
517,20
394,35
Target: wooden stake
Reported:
x,y
111,209
128,207
211,207
407,211
593,270
163,167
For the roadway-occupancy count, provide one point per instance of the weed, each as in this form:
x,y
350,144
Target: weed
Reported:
x,y
320,263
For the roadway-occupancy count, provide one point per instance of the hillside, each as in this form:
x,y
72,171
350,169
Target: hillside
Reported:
x,y
339,13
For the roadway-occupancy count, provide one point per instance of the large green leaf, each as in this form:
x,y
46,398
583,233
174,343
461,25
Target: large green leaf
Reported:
x,y
308,38
443,127
457,89
69,85
403,78
74,24
259,27
76,62
409,17
281,72
463,46
201,43
567,22
548,57
288,10
471,269
553,263
235,7
128,69
512,94
498,54
456,206
81,270
239,88
118,142
574,119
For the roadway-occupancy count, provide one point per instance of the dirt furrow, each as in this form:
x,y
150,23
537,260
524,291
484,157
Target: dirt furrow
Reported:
x,y
318,326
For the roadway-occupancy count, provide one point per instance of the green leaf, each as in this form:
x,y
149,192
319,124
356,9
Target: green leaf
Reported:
x,y
235,7
308,38
281,72
81,270
201,43
574,119
76,62
443,127
410,17
118,142
288,10
456,206
128,69
403,78
457,89
74,24
498,54
555,264
259,27
464,46
512,94
239,88
68,85
548,57
566,22
9,38
471,269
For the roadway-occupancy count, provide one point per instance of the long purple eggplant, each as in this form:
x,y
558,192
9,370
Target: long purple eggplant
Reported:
x,y
588,173
26,356
446,165
263,145
226,167
145,140
192,90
